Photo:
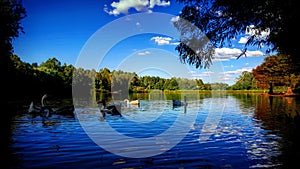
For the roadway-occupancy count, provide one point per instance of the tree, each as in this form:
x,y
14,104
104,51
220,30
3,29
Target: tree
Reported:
x,y
200,84
219,86
160,84
244,81
11,14
270,23
51,66
83,82
67,77
171,84
134,82
121,81
275,70
106,79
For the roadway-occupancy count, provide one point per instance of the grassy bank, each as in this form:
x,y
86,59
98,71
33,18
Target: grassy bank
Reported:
x,y
218,91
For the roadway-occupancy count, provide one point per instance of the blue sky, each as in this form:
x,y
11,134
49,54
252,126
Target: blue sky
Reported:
x,y
68,30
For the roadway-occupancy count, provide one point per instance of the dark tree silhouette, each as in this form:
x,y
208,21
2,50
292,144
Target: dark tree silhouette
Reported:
x,y
11,13
222,21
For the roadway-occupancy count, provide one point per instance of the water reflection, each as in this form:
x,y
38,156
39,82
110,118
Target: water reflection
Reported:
x,y
230,131
279,116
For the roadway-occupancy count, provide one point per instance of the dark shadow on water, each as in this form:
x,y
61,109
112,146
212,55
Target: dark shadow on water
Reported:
x,y
281,116
15,109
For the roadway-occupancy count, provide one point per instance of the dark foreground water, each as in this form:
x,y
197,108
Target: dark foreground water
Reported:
x,y
220,131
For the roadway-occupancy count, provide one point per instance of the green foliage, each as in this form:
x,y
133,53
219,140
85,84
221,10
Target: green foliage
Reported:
x,y
121,81
33,80
103,80
221,21
11,14
218,86
245,81
83,82
52,66
171,84
55,78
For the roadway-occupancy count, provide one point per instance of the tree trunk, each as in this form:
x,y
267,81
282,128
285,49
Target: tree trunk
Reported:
x,y
271,89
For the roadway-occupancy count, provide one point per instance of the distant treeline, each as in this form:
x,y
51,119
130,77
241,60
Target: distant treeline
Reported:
x,y
56,78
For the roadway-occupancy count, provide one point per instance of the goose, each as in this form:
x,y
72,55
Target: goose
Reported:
x,y
177,103
33,109
133,102
46,111
109,109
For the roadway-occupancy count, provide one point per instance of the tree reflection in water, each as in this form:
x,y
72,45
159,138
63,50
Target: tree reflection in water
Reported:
x,y
280,115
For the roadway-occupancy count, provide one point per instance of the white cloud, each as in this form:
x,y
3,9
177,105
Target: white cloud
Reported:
x,y
139,5
175,19
153,3
159,40
202,74
226,77
124,5
162,40
144,53
228,66
238,71
254,53
225,54
251,30
244,39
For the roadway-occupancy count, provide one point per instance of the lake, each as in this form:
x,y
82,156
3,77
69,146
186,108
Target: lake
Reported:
x,y
212,131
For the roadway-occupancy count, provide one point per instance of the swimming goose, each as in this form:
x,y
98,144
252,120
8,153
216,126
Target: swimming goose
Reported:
x,y
177,103
133,102
46,111
109,109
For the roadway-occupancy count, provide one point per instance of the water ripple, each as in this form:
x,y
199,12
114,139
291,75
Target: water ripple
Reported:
x,y
238,140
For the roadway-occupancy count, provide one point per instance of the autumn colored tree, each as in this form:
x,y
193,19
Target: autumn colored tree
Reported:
x,y
275,70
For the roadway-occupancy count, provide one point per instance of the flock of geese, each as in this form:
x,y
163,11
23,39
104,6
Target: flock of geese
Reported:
x,y
46,111
114,109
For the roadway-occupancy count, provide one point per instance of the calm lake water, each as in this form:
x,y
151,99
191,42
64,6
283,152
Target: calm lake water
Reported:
x,y
212,131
